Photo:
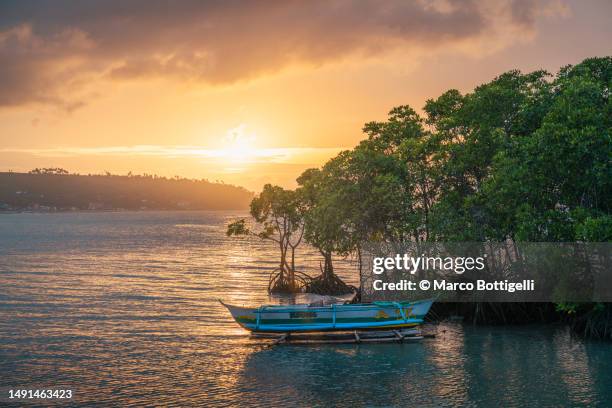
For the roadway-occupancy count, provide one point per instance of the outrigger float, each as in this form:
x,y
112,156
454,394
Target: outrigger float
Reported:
x,y
335,323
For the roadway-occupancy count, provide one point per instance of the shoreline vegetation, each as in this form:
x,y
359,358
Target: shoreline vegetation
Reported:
x,y
56,190
523,158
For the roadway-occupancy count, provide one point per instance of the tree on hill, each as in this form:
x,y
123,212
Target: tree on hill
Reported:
x,y
57,188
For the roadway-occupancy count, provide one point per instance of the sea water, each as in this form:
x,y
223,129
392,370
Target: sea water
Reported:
x,y
121,308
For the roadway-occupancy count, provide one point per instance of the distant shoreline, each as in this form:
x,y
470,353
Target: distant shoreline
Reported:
x,y
55,190
122,210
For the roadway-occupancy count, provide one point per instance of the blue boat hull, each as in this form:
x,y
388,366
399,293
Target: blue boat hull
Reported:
x,y
304,318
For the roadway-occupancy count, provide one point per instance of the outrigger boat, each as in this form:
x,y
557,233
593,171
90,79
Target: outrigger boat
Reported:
x,y
334,317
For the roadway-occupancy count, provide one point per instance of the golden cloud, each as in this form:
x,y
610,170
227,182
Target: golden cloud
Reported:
x,y
53,51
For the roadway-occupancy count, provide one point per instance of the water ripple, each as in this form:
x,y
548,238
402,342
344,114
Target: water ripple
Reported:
x,y
122,308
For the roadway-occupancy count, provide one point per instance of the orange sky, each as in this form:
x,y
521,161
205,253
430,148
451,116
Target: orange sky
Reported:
x,y
252,92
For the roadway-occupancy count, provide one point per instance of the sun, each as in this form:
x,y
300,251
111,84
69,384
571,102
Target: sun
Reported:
x,y
239,145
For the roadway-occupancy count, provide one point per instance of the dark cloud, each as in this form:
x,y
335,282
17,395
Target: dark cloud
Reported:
x,y
50,50
523,11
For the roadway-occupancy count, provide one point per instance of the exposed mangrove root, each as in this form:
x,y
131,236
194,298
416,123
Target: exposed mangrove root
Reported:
x,y
498,313
593,321
596,323
282,281
328,284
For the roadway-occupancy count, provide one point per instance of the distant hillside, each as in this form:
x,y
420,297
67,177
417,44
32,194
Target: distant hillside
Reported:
x,y
55,190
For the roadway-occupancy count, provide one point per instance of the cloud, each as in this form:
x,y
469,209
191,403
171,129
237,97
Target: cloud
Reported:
x,y
253,155
53,51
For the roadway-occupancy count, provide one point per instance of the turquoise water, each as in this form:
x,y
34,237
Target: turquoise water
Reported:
x,y
122,309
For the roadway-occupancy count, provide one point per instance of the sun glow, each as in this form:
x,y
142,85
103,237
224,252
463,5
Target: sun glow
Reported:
x,y
239,145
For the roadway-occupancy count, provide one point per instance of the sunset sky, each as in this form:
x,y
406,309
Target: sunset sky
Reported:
x,y
252,92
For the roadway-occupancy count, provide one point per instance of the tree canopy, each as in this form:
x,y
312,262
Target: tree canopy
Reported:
x,y
524,157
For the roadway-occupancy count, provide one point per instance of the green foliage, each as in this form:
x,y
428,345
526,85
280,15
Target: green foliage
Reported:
x,y
278,210
571,308
237,228
524,157
545,181
567,308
